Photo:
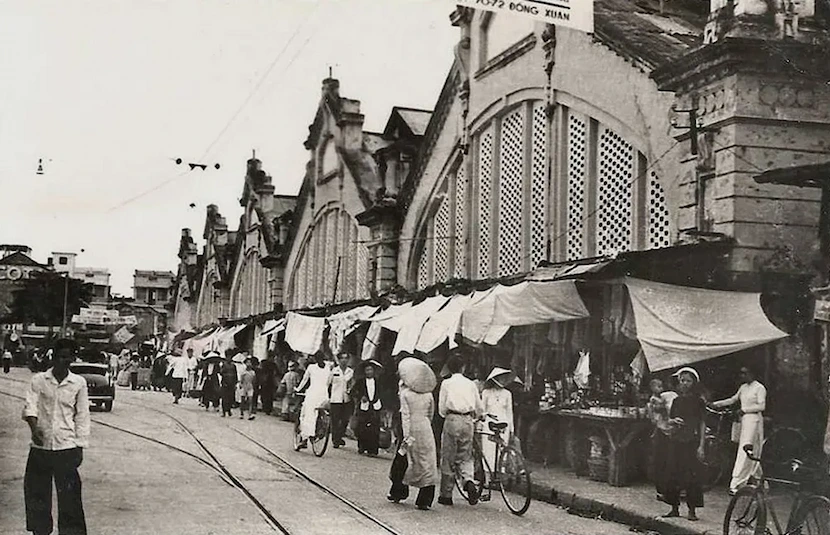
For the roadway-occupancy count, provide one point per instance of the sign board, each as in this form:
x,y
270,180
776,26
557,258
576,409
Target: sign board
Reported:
x,y
122,335
822,311
576,14
102,317
16,273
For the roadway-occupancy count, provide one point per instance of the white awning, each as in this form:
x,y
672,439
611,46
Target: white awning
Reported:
x,y
678,325
391,317
304,333
273,327
526,303
344,323
413,321
444,324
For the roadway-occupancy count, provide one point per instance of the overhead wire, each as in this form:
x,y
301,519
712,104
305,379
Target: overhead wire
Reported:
x,y
238,111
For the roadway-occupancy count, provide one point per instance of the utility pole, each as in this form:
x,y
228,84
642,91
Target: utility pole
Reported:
x,y
65,301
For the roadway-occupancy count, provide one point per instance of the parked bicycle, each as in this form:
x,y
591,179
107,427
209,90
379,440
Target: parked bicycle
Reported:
x,y
322,431
719,453
510,475
751,508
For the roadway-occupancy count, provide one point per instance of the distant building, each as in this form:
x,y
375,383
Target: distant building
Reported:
x,y
16,266
153,287
98,277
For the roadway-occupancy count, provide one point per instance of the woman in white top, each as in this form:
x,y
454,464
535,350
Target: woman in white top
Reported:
x,y
315,382
753,399
498,407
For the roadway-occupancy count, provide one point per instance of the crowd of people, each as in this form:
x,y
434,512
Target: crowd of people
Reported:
x,y
680,434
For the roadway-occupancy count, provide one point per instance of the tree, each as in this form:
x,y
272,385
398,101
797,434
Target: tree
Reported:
x,y
40,299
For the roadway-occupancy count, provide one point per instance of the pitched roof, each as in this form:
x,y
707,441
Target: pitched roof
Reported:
x,y
416,120
283,204
640,32
19,259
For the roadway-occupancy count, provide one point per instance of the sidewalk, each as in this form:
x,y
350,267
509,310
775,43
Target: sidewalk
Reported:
x,y
635,506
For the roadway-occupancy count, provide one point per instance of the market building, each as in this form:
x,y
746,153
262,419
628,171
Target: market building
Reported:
x,y
187,284
214,292
99,278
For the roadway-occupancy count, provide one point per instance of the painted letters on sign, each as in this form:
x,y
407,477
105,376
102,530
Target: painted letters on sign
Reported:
x,y
15,273
576,14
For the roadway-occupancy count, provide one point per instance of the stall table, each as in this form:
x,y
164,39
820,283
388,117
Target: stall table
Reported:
x,y
620,431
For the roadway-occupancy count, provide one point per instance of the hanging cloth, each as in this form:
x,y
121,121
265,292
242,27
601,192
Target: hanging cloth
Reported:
x,y
583,369
304,333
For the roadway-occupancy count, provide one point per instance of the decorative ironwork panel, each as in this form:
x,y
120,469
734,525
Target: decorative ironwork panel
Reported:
x,y
351,280
485,202
460,231
511,193
658,214
538,186
342,264
615,189
330,260
362,287
441,242
423,264
577,167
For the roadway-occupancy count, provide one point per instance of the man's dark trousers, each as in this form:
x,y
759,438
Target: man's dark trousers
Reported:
x,y
340,414
42,467
177,387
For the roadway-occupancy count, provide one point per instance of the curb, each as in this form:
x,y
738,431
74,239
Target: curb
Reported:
x,y
591,508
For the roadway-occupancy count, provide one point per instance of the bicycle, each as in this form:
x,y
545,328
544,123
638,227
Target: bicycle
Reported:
x,y
511,476
748,510
320,440
718,449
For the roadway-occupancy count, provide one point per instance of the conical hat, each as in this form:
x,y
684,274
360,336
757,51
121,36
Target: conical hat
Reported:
x,y
417,375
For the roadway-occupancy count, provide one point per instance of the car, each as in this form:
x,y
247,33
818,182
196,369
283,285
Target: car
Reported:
x,y
99,380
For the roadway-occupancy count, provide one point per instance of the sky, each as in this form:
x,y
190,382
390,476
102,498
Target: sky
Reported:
x,y
108,93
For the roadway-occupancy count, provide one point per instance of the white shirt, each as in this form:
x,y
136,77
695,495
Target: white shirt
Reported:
x,y
7,355
62,410
459,395
370,393
192,363
179,366
752,396
338,383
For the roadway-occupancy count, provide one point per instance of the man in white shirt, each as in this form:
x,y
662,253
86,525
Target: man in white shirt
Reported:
x,y
459,403
57,411
178,365
192,364
339,385
752,396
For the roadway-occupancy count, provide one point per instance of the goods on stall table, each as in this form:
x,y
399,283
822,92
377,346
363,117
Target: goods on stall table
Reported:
x,y
123,378
144,378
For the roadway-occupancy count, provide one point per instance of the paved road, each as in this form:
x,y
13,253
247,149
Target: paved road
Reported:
x,y
134,486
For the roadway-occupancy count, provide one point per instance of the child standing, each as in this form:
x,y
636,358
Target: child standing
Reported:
x,y
246,381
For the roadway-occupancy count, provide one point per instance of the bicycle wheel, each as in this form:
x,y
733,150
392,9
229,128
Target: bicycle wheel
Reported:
x,y
320,441
746,514
715,464
295,437
478,475
514,480
812,518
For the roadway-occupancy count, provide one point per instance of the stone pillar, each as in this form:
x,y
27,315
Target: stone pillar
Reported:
x,y
762,103
385,256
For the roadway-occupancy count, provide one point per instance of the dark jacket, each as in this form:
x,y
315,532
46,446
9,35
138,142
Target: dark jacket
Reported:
x,y
228,373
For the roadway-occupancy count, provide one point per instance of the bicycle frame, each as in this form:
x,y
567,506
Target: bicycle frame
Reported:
x,y
478,454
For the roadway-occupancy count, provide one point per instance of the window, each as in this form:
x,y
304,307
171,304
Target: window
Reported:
x,y
329,163
63,260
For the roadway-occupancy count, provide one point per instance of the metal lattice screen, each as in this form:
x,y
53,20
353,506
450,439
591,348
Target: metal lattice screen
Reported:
x,y
362,275
423,263
460,231
538,186
351,248
485,201
658,214
441,242
511,193
577,166
328,258
614,194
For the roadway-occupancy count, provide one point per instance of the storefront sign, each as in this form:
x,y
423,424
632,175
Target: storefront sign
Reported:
x,y
16,273
122,335
576,14
822,311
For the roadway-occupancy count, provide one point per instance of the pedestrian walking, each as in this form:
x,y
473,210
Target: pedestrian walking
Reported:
x,y
266,384
460,405
497,402
315,383
229,379
659,406
133,369
685,446
192,365
211,391
340,383
752,396
57,411
178,372
416,461
247,382
288,388
7,361
368,406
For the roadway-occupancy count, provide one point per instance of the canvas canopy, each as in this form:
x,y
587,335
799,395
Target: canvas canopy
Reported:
x,y
526,303
273,327
304,333
343,324
444,324
413,321
678,325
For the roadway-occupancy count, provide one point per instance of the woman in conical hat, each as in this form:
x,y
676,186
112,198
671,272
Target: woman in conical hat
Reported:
x,y
498,407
